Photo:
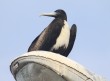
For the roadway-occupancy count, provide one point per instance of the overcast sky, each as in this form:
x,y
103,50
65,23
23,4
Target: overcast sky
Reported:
x,y
20,23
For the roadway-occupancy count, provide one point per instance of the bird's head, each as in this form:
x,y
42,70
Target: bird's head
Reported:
x,y
57,14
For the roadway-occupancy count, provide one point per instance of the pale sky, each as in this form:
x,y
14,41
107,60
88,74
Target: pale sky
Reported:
x,y
20,23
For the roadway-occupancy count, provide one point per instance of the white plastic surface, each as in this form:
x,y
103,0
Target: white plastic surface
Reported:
x,y
63,66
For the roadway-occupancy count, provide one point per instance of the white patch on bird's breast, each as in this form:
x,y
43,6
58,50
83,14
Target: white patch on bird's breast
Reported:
x,y
63,39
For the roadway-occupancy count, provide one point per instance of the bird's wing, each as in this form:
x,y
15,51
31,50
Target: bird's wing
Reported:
x,y
72,39
32,46
48,37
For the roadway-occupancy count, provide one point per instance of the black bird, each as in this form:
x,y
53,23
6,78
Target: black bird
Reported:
x,y
57,37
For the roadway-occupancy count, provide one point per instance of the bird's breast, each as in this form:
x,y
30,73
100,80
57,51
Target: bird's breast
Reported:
x,y
63,38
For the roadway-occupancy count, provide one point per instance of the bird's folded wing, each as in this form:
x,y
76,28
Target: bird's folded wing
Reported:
x,y
48,37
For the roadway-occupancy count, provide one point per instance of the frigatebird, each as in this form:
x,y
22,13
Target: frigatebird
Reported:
x,y
57,37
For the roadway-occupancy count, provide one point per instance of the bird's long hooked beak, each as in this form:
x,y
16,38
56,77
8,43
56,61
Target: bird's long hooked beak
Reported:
x,y
53,14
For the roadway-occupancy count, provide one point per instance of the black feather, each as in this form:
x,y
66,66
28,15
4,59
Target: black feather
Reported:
x,y
49,36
